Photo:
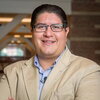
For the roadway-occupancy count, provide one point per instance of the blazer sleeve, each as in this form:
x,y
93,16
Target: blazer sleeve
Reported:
x,y
89,87
4,88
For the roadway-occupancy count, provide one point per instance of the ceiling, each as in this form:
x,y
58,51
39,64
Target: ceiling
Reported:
x,y
15,28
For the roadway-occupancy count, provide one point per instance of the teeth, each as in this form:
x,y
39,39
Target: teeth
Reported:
x,y
48,41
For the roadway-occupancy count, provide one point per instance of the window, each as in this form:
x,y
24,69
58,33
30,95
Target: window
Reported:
x,y
12,50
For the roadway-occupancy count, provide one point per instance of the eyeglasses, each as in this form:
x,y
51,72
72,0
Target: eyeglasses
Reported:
x,y
43,27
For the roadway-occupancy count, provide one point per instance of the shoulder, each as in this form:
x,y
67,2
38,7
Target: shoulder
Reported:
x,y
84,65
82,61
14,67
17,66
79,61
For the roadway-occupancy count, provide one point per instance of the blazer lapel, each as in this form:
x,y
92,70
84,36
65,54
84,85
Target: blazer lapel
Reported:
x,y
31,76
56,73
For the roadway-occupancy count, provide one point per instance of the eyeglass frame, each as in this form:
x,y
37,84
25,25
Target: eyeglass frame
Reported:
x,y
46,27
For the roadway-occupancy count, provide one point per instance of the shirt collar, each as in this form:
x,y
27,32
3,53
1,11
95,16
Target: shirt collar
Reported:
x,y
36,63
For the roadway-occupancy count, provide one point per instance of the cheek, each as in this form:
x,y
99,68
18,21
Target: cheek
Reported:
x,y
36,39
62,38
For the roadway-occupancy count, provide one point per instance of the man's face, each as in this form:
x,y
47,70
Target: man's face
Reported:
x,y
49,44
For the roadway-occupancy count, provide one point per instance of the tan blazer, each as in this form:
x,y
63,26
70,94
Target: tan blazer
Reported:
x,y
72,78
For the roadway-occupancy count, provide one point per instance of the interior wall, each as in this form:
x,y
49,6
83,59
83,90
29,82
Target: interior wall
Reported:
x,y
85,29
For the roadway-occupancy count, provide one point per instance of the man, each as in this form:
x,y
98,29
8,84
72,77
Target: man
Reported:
x,y
54,73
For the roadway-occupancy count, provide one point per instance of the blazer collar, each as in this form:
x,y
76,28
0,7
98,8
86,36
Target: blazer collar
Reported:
x,y
56,73
31,77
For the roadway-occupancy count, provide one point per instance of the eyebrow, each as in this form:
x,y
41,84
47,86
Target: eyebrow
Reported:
x,y
47,24
40,24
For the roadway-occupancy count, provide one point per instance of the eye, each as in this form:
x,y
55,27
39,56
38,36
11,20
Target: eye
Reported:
x,y
40,26
56,26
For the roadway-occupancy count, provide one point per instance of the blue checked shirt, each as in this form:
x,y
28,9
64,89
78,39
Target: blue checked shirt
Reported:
x,y
43,74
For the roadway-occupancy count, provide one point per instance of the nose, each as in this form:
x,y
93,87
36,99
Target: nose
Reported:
x,y
48,32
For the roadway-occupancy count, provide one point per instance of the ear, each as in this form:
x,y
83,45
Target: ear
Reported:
x,y
31,30
67,31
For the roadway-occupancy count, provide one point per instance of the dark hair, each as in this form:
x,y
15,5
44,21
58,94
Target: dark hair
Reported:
x,y
51,9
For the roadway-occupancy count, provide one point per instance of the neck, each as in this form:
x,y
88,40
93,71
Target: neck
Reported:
x,y
46,62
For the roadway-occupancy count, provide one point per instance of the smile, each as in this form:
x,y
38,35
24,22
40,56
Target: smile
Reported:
x,y
48,42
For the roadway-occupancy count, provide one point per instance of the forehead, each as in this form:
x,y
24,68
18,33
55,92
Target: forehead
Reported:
x,y
48,17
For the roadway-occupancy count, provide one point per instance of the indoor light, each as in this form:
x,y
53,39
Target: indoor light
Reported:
x,y
9,19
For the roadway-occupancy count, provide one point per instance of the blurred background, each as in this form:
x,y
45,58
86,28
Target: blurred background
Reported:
x,y
15,34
